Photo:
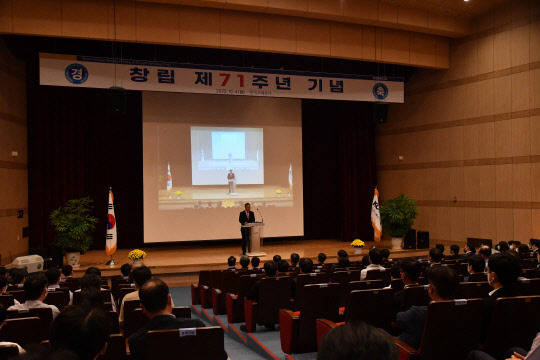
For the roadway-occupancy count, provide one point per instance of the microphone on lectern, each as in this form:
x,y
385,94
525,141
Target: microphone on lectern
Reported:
x,y
262,219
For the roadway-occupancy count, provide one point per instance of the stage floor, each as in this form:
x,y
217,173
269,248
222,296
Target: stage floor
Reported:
x,y
179,265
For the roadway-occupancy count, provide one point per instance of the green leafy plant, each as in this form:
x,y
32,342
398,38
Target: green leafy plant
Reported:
x,y
74,224
397,215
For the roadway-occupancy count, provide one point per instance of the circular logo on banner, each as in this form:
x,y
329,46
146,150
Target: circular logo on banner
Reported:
x,y
380,91
110,222
76,73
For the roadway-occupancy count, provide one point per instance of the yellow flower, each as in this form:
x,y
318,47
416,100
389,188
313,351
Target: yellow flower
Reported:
x,y
279,192
136,254
178,193
357,243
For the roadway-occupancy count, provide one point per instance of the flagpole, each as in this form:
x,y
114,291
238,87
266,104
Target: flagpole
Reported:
x,y
111,262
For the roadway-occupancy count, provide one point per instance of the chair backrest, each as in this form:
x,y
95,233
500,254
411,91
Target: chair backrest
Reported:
x,y
477,277
194,344
133,321
9,352
384,275
452,329
414,295
397,284
473,290
7,300
306,279
130,305
463,269
319,302
116,348
531,273
366,285
529,287
204,277
121,292
115,328
245,283
44,315
18,295
182,312
57,298
229,283
22,331
343,278
530,263
371,306
520,311
215,278
274,294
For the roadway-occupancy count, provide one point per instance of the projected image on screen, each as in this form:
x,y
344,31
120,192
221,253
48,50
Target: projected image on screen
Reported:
x,y
218,153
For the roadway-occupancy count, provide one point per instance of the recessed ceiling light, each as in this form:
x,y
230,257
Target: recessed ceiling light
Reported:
x,y
466,0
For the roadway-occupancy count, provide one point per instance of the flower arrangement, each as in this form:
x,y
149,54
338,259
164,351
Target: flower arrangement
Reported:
x,y
178,193
279,192
136,254
357,243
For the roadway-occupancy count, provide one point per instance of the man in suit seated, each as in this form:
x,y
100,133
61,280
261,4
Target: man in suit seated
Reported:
x,y
476,266
270,268
469,250
255,261
375,259
441,247
35,290
283,266
157,305
140,275
244,262
484,252
83,331
535,245
321,258
454,253
503,272
231,261
295,258
410,272
435,258
443,282
306,267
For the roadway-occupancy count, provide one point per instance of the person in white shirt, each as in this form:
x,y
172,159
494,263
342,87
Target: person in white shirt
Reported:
x,y
375,259
140,276
35,289
3,288
53,278
125,270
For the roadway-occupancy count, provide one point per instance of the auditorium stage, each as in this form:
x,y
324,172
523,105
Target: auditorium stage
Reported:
x,y
179,265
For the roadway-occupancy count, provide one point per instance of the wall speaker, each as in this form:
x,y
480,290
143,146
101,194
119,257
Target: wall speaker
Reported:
x,y
380,113
117,100
422,239
410,240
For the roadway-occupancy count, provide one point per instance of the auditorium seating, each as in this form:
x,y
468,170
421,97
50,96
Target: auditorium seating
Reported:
x,y
214,279
7,300
194,344
228,284
235,302
371,306
44,315
384,275
274,294
134,318
472,290
57,298
530,263
204,280
105,294
116,348
531,273
477,277
366,285
529,287
514,323
22,331
297,329
343,278
9,352
123,291
306,279
397,284
452,329
414,295
18,295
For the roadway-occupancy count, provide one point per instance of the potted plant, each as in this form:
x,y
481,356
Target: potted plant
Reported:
x,y
358,245
137,256
397,218
74,225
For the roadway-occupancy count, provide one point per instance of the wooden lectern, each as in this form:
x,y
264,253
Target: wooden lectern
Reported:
x,y
255,239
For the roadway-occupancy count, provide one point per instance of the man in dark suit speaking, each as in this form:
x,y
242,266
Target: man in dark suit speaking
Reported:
x,y
246,216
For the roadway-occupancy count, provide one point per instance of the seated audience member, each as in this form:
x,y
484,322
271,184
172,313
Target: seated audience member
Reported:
x,y
306,267
395,271
358,341
93,270
454,253
19,277
3,271
270,268
295,258
4,286
441,247
157,305
516,245
276,258
511,245
538,266
385,254
93,280
342,253
344,262
410,271
435,258
35,290
365,261
67,272
514,353
283,266
484,252
3,317
231,261
82,331
442,284
125,270
10,274
375,259
503,246
91,298
469,250
53,278
523,251
140,275
321,258
255,261
244,262
503,271
476,266
535,245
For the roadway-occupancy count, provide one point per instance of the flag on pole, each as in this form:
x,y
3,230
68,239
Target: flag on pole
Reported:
x,y
169,177
110,245
376,216
290,180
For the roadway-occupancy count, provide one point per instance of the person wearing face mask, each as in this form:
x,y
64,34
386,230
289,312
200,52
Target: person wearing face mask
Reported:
x,y
503,271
